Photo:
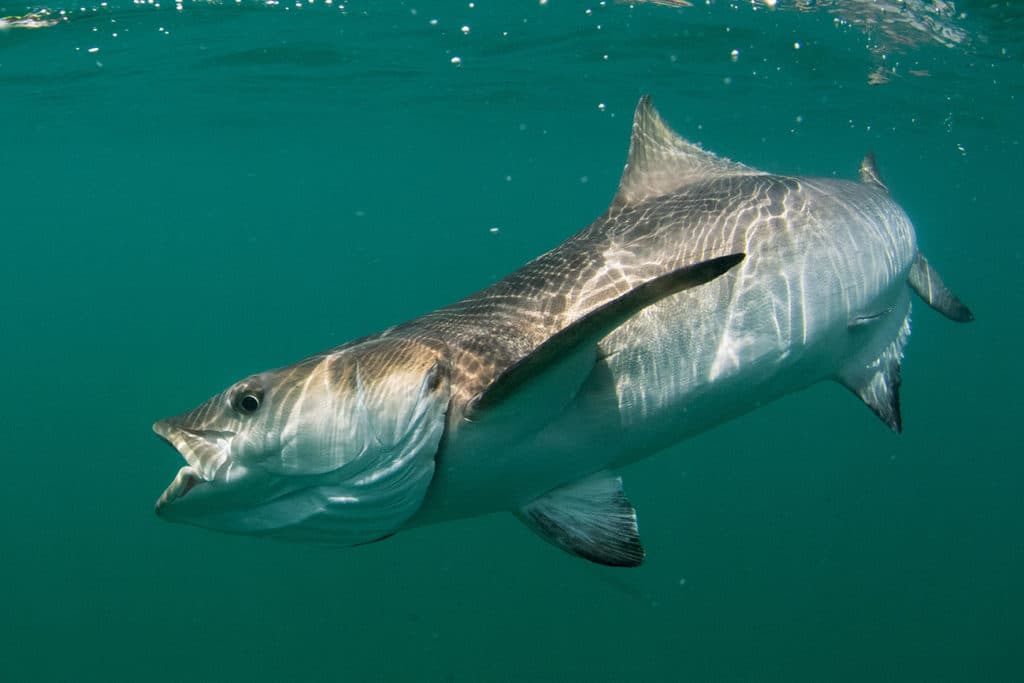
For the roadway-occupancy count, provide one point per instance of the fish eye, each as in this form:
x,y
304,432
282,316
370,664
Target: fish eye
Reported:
x,y
248,402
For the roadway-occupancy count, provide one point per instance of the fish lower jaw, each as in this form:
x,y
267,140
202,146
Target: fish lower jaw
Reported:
x,y
186,479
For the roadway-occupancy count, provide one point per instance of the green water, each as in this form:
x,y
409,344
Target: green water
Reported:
x,y
221,189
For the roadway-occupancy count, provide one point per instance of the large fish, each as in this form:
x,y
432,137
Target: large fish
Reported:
x,y
707,289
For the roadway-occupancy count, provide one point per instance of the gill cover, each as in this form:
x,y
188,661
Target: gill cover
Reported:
x,y
341,450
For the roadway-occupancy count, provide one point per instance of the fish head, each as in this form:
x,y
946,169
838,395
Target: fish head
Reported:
x,y
338,448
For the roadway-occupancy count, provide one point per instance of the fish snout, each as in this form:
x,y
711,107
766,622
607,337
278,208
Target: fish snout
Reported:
x,y
165,427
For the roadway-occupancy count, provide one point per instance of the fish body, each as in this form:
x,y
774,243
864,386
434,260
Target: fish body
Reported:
x,y
778,322
706,289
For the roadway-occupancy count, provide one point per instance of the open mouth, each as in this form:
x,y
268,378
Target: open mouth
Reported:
x,y
205,451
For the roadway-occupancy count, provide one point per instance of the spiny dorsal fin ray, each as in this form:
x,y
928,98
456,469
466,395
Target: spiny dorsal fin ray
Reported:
x,y
660,161
869,172
591,518
928,285
877,382
556,363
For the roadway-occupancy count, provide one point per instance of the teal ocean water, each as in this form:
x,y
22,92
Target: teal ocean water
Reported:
x,y
192,193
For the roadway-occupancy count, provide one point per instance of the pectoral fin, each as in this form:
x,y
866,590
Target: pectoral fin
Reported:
x,y
561,363
591,519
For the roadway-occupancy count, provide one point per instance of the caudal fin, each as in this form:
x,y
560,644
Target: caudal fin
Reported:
x,y
928,285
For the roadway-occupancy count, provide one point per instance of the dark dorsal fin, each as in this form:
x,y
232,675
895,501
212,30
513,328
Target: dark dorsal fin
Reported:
x,y
869,172
660,161
561,348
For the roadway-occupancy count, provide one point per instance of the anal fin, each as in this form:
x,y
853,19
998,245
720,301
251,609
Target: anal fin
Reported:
x,y
590,518
877,381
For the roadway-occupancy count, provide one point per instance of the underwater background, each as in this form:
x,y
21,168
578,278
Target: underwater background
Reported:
x,y
194,192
